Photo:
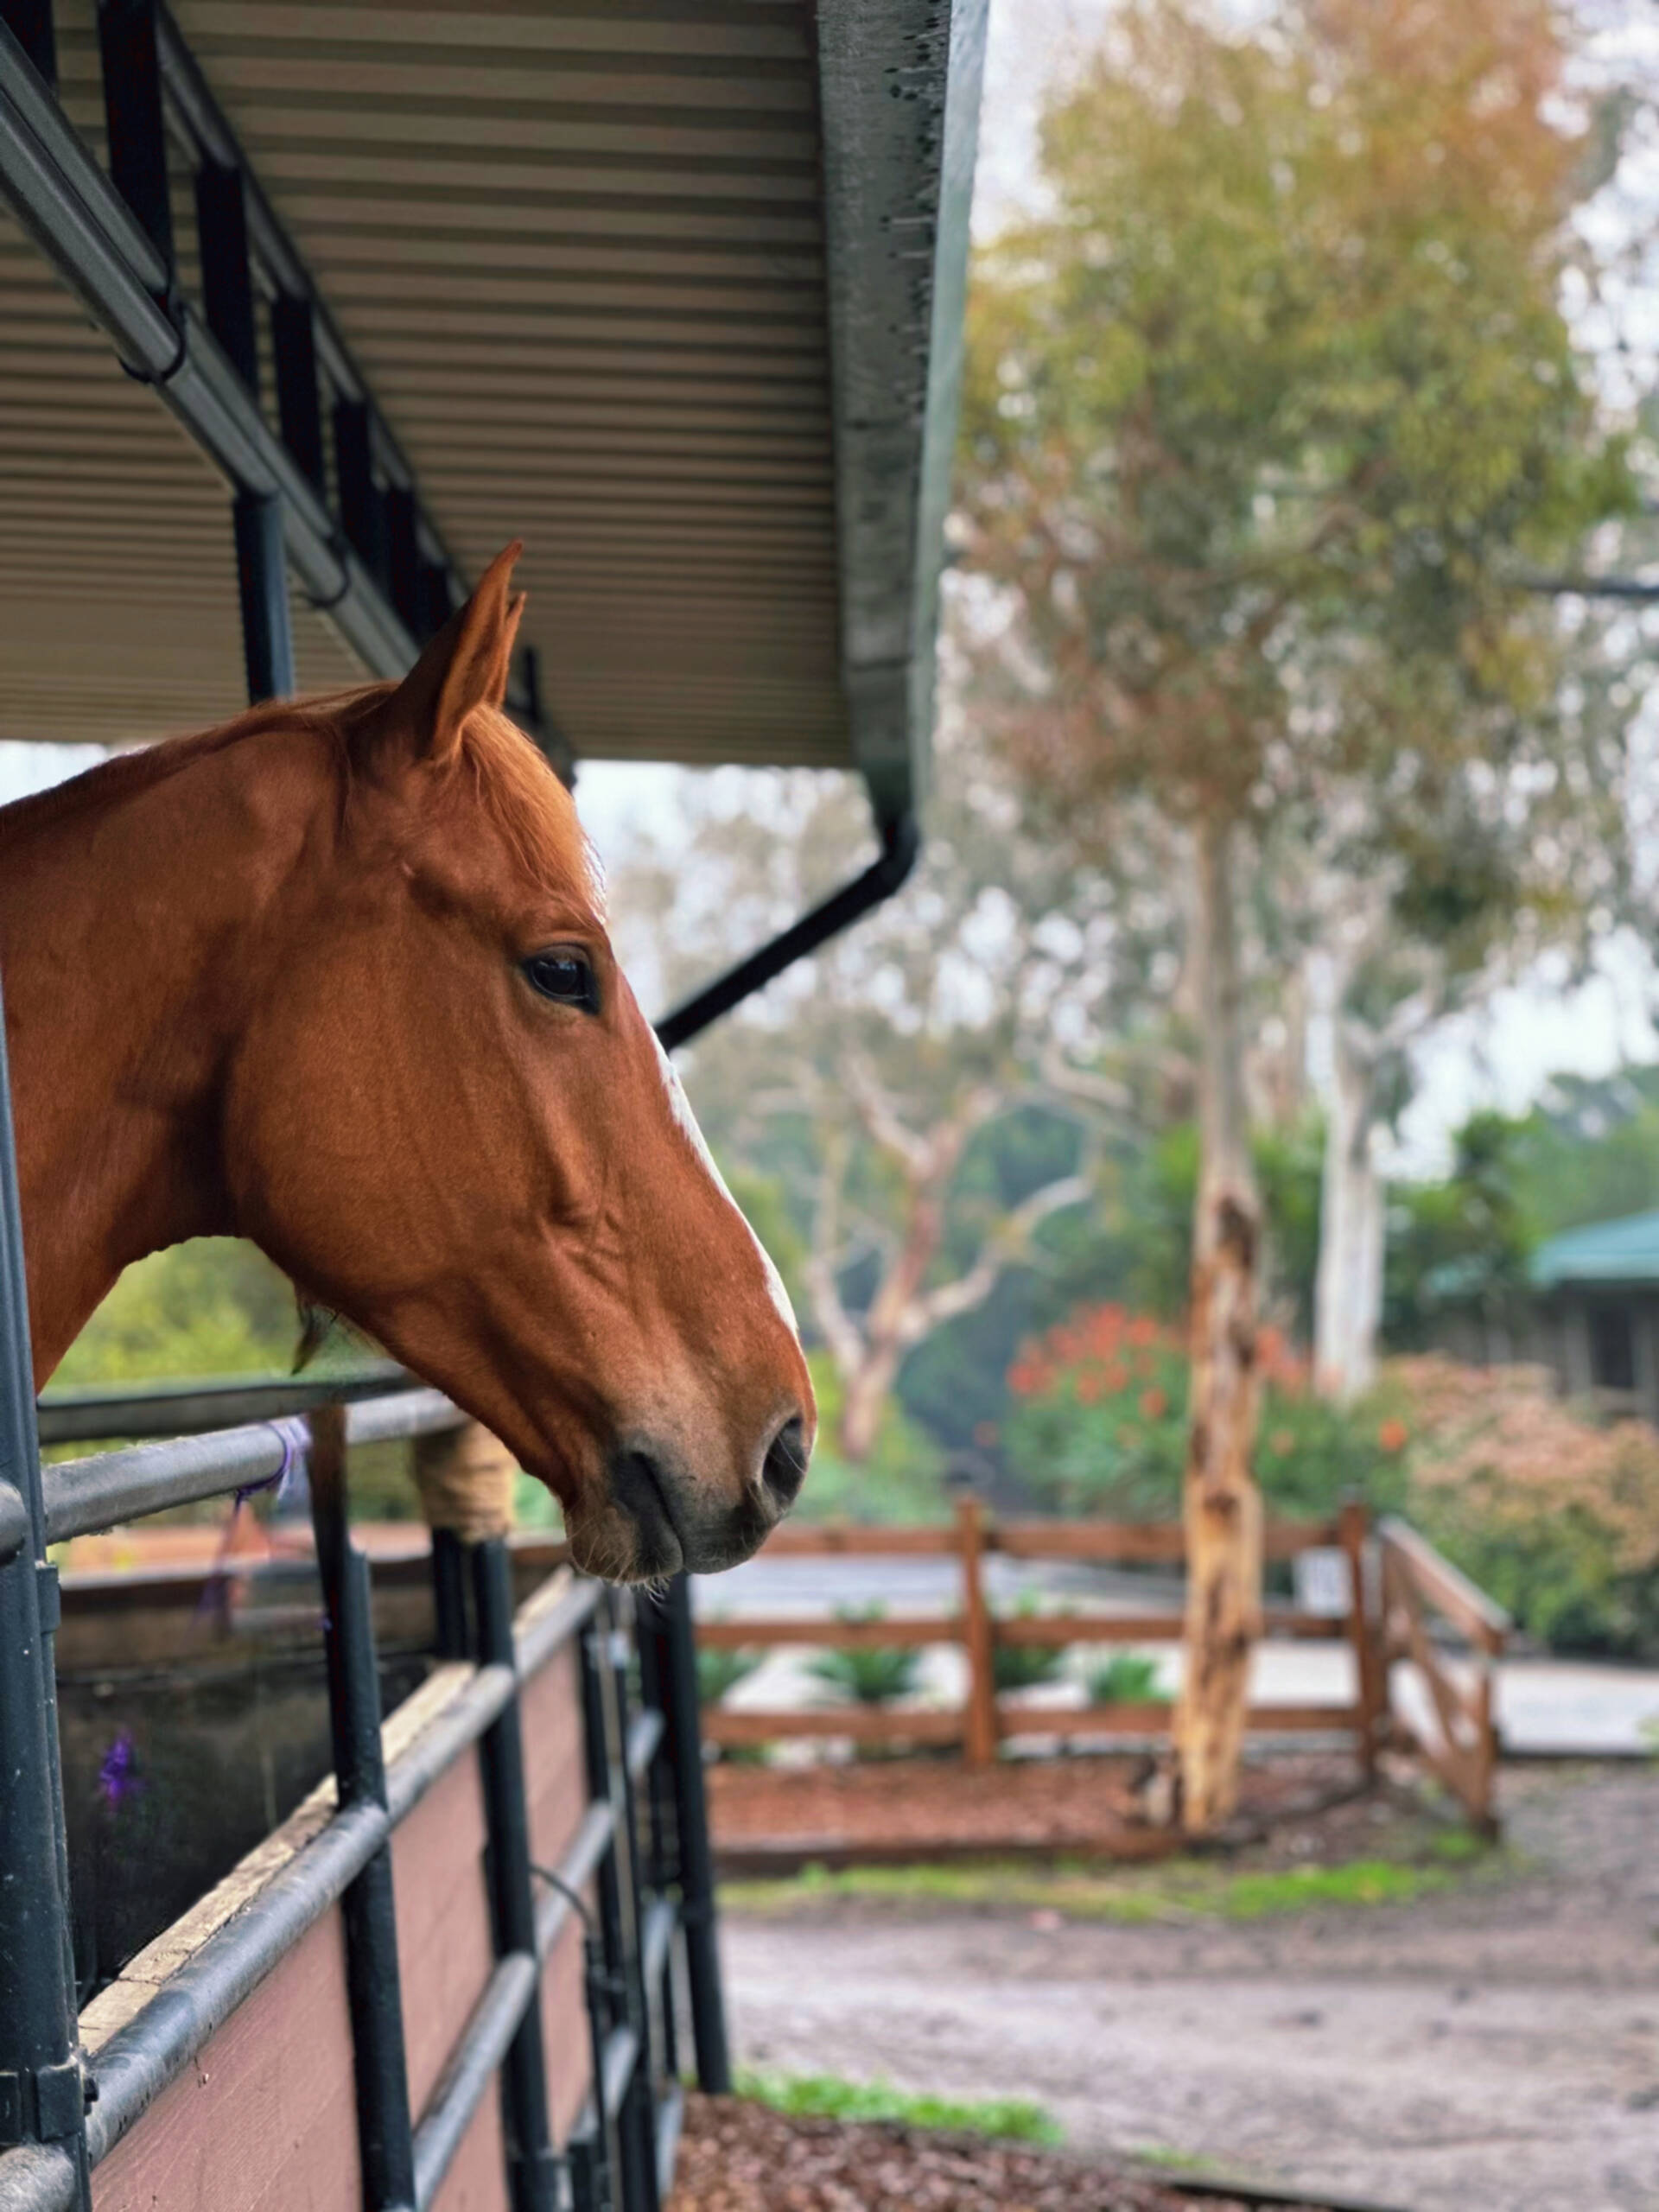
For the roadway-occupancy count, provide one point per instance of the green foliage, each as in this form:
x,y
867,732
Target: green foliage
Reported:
x,y
826,2097
1126,1678
1026,1666
877,1675
1101,1424
720,1669
1588,1151
899,1482
1428,1859
213,1307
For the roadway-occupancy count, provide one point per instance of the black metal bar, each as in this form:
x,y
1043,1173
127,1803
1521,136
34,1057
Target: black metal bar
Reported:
x,y
41,2088
638,2118
450,1594
137,1409
261,584
29,22
227,272
92,236
1633,588
437,601
361,516
532,2163
299,399
132,114
404,555
677,1673
901,843
385,2136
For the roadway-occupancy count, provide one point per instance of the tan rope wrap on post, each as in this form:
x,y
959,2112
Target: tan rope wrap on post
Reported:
x,y
465,1478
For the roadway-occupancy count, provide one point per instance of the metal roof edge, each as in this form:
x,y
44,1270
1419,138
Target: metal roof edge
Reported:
x,y
899,85
1624,1251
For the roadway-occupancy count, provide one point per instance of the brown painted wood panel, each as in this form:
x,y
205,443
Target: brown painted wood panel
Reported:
x,y
555,1775
444,1948
266,2118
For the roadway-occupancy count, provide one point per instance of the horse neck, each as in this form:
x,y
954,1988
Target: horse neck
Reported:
x,y
128,907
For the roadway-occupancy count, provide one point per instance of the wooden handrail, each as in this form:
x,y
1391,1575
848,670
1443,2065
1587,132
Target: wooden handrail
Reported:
x,y
1445,1587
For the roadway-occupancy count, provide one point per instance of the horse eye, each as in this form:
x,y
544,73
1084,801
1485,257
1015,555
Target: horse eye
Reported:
x,y
566,977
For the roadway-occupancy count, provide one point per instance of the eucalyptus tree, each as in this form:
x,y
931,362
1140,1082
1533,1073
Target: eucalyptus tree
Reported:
x,y
1271,409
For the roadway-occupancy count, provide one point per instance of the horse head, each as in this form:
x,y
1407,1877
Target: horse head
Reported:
x,y
447,1119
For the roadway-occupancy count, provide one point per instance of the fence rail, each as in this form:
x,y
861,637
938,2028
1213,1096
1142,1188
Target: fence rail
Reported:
x,y
1461,1747
638,1870
1391,1569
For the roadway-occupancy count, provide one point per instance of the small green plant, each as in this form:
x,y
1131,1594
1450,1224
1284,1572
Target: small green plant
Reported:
x,y
721,1670
872,1674
1026,1666
1126,1678
825,2096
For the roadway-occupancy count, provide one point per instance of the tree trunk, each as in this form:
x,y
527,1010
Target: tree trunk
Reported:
x,y
1222,1506
864,1400
1348,1289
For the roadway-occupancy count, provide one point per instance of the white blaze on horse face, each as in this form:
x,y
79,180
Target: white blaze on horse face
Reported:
x,y
681,1107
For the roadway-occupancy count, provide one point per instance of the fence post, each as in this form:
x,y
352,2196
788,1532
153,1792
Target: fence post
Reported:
x,y
385,2136
677,1674
1365,1634
43,2090
980,1735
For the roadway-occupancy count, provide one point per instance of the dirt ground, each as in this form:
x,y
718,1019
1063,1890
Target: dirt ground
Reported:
x,y
1493,2047
916,1806
735,2156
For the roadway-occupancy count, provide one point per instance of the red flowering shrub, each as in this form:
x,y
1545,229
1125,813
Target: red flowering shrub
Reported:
x,y
1100,1423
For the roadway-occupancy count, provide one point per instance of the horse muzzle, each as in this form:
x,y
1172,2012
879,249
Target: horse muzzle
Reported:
x,y
678,1524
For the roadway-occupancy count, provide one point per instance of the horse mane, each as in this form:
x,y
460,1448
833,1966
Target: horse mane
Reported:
x,y
512,780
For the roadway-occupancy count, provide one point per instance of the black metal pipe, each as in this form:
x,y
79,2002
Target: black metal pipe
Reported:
x,y
299,398
532,2163
450,1594
384,2131
261,587
678,1665
191,1409
901,841
637,2119
41,2088
132,116
82,1495
30,24
227,272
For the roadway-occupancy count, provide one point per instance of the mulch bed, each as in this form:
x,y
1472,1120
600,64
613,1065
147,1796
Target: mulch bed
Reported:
x,y
924,1808
739,2156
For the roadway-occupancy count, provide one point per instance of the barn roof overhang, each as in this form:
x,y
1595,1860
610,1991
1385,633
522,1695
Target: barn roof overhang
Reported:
x,y
672,291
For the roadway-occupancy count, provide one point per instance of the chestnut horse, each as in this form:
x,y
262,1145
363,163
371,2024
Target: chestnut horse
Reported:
x,y
335,977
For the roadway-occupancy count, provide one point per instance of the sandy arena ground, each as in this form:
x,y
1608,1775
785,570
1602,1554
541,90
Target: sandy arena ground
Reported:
x,y
1490,2048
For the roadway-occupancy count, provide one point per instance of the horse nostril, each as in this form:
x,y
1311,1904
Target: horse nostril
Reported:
x,y
784,1470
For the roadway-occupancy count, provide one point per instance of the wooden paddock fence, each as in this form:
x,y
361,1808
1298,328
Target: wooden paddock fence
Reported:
x,y
1395,1582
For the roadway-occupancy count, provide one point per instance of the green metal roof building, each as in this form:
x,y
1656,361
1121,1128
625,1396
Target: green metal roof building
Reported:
x,y
1598,1310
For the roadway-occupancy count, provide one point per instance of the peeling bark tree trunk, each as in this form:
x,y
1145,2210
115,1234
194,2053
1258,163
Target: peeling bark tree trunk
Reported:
x,y
1347,1290
1222,1505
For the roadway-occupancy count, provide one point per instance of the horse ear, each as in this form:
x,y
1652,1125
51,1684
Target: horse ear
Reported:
x,y
464,666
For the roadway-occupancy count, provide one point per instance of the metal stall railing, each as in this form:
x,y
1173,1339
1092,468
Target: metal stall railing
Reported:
x,y
641,1848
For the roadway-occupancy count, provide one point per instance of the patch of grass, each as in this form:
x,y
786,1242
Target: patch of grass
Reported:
x,y
1172,1890
876,1675
720,1669
826,2097
1026,1666
1127,1678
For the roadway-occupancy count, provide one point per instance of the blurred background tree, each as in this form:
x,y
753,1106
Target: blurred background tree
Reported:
x,y
1268,414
